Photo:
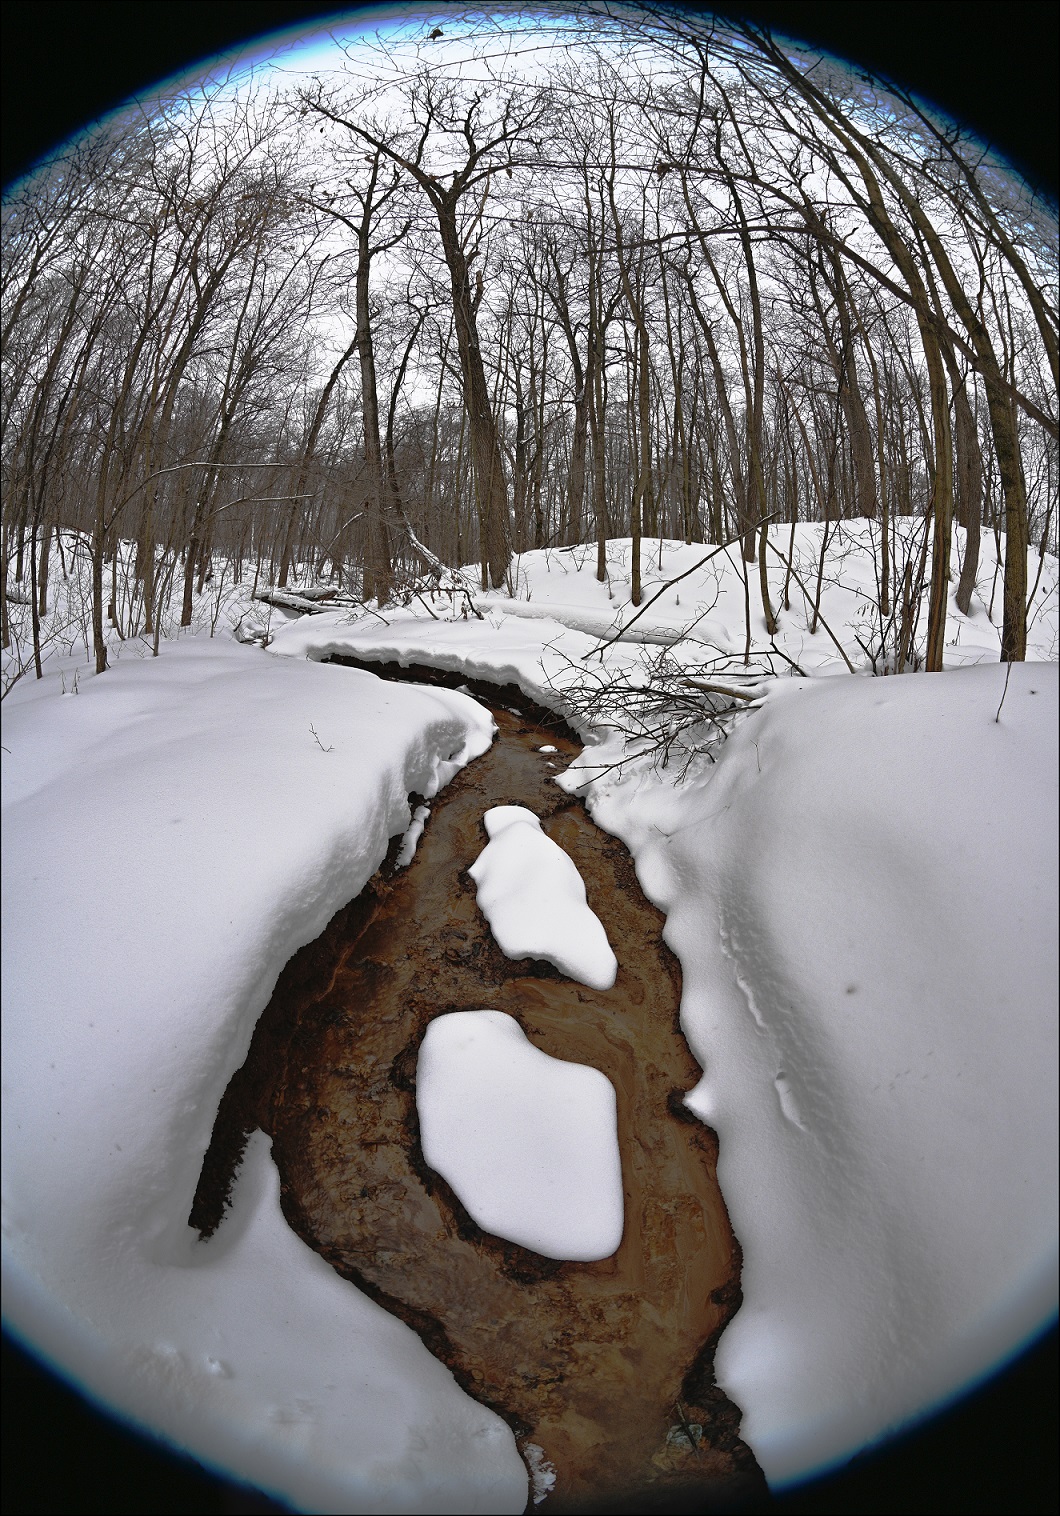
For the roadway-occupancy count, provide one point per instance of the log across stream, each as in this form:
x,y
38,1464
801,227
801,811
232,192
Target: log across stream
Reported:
x,y
608,1366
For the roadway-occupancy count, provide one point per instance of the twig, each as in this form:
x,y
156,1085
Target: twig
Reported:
x,y
781,654
1004,692
686,1427
318,742
366,607
669,585
820,617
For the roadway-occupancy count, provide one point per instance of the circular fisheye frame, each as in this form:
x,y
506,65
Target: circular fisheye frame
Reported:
x,y
690,385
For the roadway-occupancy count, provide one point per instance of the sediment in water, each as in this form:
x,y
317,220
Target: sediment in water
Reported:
x,y
607,1366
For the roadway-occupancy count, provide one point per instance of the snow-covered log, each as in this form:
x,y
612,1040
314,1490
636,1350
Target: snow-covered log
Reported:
x,y
310,601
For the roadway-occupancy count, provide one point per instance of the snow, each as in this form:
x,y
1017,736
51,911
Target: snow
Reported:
x,y
888,1156
861,892
533,897
550,636
863,898
528,1142
172,835
542,1471
411,837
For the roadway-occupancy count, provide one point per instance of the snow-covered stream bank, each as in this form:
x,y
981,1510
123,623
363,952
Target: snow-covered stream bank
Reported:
x,y
172,835
174,832
863,899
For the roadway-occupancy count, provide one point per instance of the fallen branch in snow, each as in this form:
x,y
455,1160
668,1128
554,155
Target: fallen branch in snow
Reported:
x,y
307,601
317,592
449,580
659,706
716,689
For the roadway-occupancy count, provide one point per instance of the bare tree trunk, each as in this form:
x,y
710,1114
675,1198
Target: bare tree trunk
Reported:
x,y
99,549
491,484
969,484
942,514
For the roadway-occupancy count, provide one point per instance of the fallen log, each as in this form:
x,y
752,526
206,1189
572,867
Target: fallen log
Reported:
x,y
309,601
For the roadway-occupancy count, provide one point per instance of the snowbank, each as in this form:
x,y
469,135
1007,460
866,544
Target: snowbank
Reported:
x,y
528,1142
533,897
560,626
172,835
862,894
536,656
863,897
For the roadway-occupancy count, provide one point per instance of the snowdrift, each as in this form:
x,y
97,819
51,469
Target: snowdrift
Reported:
x,y
861,892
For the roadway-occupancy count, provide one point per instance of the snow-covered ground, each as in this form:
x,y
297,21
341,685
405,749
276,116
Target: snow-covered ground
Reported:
x,y
705,609
173,833
528,1142
863,898
533,897
861,891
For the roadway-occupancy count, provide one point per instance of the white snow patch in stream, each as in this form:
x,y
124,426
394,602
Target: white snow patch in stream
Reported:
x,y
542,1471
533,897
411,838
528,1142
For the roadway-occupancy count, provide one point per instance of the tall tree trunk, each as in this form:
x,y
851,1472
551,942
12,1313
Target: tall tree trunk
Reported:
x,y
969,483
942,513
491,483
377,567
42,571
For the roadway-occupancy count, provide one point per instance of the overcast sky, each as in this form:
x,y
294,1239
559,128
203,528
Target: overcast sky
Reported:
x,y
994,66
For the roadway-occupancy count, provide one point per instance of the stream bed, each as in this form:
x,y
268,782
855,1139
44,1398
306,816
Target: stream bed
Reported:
x,y
606,1366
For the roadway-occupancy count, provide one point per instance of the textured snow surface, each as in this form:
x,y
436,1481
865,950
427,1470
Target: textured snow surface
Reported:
x,y
863,898
533,897
172,835
862,894
528,1142
410,841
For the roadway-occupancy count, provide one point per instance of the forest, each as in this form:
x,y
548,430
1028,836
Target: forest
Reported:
x,y
527,284
503,1008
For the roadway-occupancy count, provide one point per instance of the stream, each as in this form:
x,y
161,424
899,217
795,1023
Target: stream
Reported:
x,y
606,1366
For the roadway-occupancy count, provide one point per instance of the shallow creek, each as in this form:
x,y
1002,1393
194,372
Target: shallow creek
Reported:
x,y
605,1366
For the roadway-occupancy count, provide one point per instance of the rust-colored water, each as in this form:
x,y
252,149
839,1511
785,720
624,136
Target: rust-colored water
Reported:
x,y
604,1365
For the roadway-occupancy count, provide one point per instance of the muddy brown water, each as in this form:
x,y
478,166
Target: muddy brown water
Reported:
x,y
607,1366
